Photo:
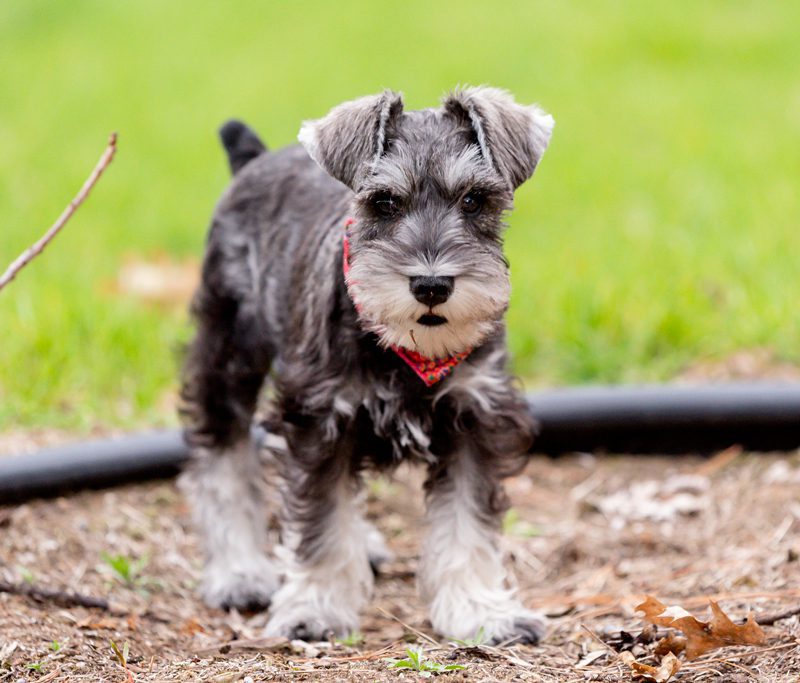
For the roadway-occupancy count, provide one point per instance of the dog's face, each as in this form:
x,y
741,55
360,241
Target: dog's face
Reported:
x,y
427,269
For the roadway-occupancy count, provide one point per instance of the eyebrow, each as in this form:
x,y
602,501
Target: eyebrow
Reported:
x,y
390,178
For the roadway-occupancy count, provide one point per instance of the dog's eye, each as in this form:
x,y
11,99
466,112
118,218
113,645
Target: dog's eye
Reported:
x,y
385,205
472,203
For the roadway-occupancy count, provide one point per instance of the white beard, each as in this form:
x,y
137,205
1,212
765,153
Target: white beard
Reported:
x,y
387,308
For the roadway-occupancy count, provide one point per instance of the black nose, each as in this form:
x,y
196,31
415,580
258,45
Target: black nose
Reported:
x,y
431,291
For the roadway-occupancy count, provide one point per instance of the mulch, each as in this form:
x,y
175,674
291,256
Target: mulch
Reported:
x,y
588,538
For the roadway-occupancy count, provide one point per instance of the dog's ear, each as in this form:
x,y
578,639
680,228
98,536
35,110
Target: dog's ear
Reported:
x,y
353,136
512,137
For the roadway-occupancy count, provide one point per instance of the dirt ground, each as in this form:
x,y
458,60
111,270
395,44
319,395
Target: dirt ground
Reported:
x,y
587,538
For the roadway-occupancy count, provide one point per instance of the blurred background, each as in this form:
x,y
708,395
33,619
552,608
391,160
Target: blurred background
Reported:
x,y
658,237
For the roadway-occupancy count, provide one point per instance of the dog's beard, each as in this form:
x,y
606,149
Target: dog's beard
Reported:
x,y
386,307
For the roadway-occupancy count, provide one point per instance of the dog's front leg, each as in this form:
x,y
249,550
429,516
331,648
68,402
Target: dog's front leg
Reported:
x,y
462,576
325,541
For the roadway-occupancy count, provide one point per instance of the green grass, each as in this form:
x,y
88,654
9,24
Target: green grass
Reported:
x,y
662,226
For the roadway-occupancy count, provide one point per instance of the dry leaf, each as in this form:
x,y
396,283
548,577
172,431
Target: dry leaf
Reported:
x,y
191,626
159,280
667,669
104,623
670,643
657,501
702,636
591,658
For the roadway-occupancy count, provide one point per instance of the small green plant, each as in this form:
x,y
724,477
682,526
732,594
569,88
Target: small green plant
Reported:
x,y
424,667
126,569
476,641
55,646
122,657
352,639
26,574
515,525
34,667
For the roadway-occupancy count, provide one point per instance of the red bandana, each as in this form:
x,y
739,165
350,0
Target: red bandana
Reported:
x,y
429,370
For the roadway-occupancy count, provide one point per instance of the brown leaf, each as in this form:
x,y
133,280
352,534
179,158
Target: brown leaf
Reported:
x,y
669,666
105,623
192,626
702,636
653,609
670,643
749,633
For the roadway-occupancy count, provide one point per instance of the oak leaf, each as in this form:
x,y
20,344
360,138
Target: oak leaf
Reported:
x,y
702,636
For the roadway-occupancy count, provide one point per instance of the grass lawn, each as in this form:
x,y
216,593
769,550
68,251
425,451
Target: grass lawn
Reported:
x,y
662,226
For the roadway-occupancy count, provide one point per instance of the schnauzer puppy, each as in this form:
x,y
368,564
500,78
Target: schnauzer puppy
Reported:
x,y
359,282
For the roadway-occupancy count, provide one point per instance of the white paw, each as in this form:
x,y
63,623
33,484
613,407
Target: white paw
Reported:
x,y
316,610
505,621
309,621
245,586
527,628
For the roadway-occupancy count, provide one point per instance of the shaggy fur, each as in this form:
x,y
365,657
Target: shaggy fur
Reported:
x,y
428,190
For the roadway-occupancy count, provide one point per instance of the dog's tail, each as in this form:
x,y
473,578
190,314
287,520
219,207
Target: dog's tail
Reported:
x,y
241,144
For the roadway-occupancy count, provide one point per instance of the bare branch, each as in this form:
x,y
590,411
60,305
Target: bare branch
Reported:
x,y
32,252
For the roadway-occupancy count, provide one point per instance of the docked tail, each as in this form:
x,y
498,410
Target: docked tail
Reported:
x,y
241,144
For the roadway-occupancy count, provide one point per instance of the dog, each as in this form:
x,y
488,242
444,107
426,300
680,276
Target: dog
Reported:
x,y
358,280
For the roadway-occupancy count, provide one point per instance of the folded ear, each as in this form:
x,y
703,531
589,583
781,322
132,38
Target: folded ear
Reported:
x,y
512,137
353,136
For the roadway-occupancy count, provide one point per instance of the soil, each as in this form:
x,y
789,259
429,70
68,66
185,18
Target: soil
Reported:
x,y
588,538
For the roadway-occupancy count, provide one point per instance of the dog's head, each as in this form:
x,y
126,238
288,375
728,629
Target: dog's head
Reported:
x,y
431,187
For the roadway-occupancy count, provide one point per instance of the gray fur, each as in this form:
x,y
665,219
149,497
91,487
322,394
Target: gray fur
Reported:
x,y
274,304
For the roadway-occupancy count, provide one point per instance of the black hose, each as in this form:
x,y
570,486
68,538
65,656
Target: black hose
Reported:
x,y
657,420
668,419
91,465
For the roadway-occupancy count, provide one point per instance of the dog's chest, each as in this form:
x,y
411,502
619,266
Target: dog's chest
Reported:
x,y
390,428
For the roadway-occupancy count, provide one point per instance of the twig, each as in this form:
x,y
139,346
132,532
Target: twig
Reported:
x,y
377,654
55,596
699,664
770,619
598,639
50,677
407,626
33,251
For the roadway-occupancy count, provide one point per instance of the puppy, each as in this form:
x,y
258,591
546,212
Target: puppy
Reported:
x,y
361,278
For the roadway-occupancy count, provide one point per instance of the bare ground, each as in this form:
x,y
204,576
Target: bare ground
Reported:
x,y
582,552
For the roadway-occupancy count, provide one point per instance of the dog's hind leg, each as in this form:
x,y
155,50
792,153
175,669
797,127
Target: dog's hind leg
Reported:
x,y
224,481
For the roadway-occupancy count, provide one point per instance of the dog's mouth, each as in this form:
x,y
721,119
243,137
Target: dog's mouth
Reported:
x,y
431,320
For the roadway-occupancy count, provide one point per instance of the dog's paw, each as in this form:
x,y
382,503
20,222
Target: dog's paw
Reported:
x,y
526,629
246,587
305,621
500,622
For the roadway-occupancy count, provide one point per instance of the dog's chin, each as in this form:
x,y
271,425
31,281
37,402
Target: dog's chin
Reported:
x,y
435,336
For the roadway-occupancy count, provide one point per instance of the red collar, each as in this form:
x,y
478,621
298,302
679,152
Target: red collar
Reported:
x,y
429,370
